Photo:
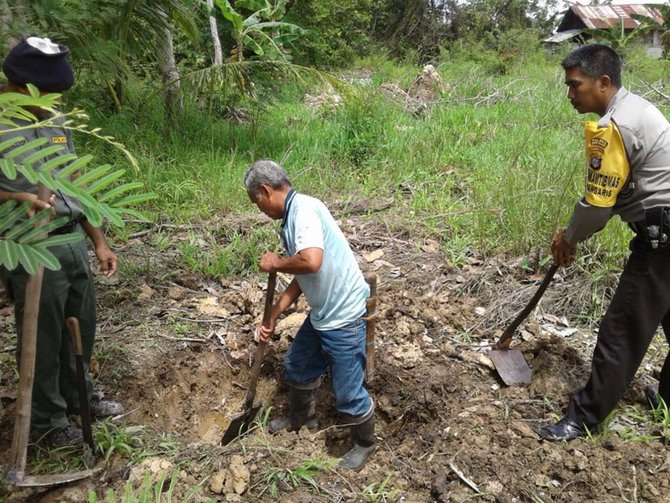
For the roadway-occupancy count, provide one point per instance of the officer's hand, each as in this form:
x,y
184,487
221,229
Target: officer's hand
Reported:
x,y
108,261
35,204
268,262
562,252
264,333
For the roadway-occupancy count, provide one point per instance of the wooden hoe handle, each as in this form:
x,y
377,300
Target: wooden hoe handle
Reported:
x,y
260,351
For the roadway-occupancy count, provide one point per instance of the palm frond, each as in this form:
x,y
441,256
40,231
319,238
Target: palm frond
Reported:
x,y
226,78
23,241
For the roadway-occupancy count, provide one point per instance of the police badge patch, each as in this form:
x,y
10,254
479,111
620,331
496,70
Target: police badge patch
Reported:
x,y
595,163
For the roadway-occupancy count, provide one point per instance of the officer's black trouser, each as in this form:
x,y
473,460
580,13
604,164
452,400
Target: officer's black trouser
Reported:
x,y
67,292
640,304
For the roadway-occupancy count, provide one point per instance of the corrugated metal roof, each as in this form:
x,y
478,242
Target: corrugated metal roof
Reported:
x,y
563,36
604,16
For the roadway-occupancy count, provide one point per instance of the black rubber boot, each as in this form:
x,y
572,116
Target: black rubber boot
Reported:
x,y
363,435
302,411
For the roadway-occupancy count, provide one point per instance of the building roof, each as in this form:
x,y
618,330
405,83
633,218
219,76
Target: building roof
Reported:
x,y
562,36
604,16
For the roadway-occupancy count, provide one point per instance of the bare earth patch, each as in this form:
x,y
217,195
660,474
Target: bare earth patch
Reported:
x,y
176,348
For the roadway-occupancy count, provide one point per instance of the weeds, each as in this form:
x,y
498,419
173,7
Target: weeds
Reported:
x,y
161,491
8,365
378,492
112,439
56,460
275,478
661,416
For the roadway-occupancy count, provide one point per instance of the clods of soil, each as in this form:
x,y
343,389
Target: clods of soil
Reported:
x,y
176,348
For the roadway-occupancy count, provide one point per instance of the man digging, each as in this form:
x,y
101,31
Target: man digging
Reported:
x,y
333,335
628,174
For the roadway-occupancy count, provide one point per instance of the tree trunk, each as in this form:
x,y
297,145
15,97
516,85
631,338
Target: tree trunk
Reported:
x,y
218,54
169,70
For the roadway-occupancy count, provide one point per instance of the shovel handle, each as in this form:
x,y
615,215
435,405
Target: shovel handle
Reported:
x,y
75,334
371,306
506,337
260,351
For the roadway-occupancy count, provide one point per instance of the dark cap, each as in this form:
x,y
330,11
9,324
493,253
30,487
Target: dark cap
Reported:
x,y
40,62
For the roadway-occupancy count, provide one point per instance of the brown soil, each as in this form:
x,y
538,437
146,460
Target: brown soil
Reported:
x,y
175,348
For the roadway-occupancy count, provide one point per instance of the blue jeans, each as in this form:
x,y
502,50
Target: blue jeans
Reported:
x,y
313,352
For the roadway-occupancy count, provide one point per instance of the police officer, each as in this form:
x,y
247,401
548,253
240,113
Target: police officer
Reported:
x,y
628,174
69,291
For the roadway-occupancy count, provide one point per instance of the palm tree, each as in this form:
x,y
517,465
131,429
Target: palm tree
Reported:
x,y
263,31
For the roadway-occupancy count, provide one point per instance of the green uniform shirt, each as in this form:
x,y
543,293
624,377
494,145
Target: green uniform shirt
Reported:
x,y
57,135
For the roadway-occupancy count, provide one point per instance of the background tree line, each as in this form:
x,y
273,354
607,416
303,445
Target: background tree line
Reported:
x,y
217,43
159,40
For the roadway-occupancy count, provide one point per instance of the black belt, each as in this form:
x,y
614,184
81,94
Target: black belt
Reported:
x,y
652,233
68,228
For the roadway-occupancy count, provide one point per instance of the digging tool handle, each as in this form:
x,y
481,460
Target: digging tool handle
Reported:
x,y
371,278
506,337
260,351
84,409
27,366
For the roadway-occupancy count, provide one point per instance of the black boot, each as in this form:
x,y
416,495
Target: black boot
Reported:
x,y
302,411
363,435
566,429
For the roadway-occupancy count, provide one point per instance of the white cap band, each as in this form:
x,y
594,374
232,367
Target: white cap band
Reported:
x,y
43,44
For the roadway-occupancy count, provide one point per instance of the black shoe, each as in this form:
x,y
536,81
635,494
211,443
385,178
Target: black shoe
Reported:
x,y
102,408
566,429
651,392
68,436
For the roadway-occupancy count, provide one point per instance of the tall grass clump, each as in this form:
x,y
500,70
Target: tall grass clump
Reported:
x,y
495,164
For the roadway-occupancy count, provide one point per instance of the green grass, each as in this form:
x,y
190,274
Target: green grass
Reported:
x,y
661,417
495,166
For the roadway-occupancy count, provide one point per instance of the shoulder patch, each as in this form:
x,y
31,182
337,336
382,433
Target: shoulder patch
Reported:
x,y
607,164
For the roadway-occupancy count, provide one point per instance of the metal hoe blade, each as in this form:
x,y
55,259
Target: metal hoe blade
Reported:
x,y
510,363
50,480
511,366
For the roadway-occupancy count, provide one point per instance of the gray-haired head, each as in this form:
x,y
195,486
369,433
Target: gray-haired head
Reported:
x,y
595,60
265,172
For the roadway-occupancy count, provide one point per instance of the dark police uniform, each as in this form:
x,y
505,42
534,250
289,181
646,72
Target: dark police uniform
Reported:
x,y
67,292
628,174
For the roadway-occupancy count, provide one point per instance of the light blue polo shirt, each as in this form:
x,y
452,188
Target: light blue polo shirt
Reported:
x,y
337,292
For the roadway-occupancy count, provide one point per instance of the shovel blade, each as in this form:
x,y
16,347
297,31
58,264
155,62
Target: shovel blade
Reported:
x,y
511,366
240,424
